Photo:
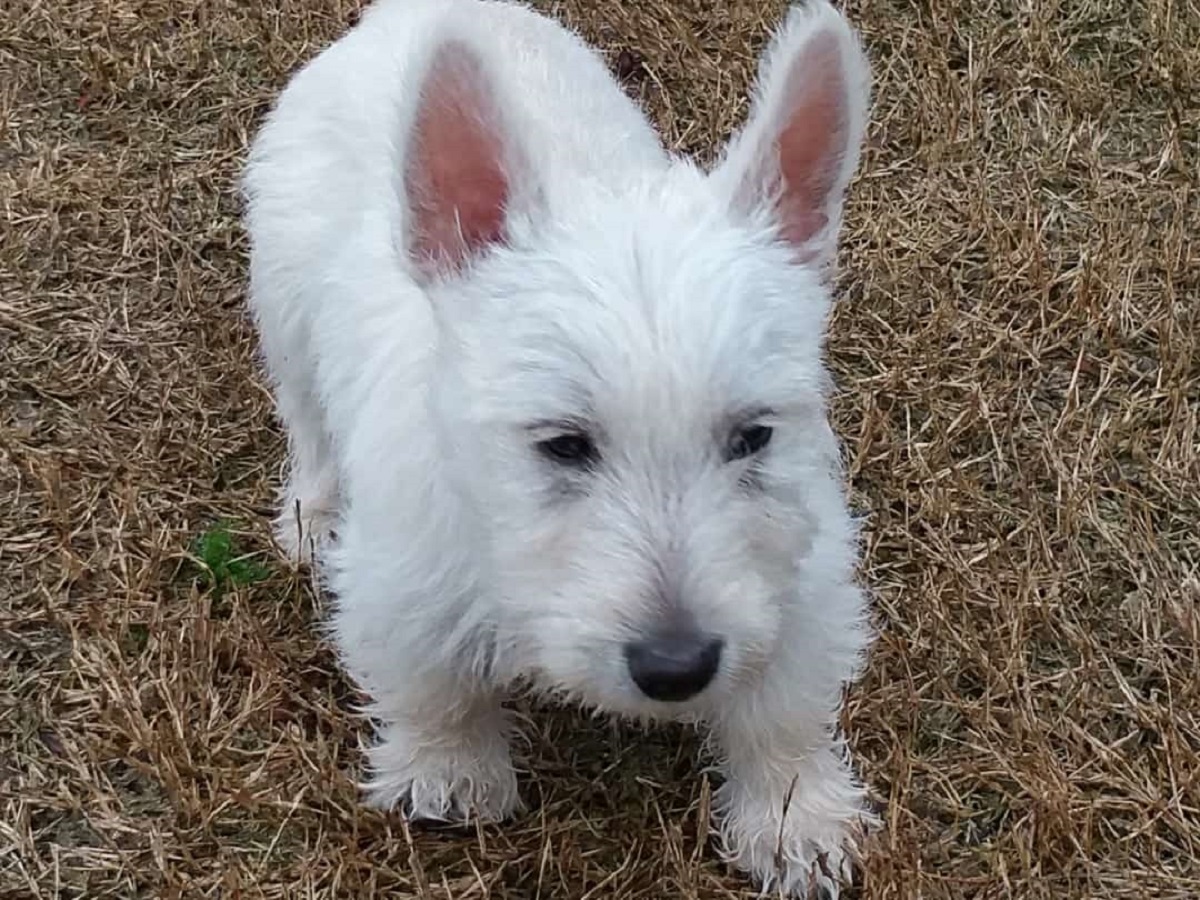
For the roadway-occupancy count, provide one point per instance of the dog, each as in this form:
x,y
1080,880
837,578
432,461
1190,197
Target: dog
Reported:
x,y
556,408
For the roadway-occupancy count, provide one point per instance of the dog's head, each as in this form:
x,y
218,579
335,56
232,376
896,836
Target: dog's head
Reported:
x,y
630,385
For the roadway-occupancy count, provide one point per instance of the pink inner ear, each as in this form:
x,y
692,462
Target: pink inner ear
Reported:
x,y
457,183
812,141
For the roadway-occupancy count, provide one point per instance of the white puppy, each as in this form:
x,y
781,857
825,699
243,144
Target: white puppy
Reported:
x,y
560,397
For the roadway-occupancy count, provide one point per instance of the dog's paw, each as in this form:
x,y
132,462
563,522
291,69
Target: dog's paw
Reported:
x,y
303,532
449,782
798,842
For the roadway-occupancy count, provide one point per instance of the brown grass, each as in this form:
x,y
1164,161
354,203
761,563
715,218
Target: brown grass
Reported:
x,y
1019,356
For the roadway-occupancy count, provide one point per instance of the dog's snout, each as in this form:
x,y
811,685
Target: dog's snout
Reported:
x,y
673,668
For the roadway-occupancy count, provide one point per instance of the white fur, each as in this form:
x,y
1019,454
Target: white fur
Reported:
x,y
630,290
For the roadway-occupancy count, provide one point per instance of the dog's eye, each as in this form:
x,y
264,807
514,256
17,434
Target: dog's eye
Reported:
x,y
569,449
749,440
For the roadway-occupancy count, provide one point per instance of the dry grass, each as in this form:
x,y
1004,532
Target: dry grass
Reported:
x,y
1018,348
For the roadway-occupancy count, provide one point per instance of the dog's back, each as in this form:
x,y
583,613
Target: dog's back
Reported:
x,y
335,135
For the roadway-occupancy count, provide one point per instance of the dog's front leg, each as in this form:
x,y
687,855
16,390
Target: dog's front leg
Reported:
x,y
441,751
788,807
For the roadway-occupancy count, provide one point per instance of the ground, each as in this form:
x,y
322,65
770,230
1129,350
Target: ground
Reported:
x,y
1017,354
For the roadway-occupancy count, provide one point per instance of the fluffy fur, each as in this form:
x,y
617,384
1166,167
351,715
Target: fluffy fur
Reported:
x,y
468,242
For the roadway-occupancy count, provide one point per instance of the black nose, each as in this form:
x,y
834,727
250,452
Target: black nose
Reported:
x,y
673,668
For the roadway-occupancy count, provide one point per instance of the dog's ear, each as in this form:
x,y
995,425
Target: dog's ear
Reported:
x,y
464,166
794,158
